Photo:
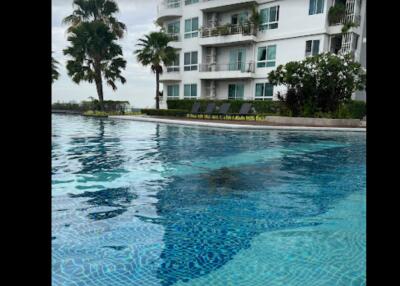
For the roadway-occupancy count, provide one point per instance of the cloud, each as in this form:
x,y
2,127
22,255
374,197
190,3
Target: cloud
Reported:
x,y
139,16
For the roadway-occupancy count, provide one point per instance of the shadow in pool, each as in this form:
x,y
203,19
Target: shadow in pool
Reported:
x,y
208,218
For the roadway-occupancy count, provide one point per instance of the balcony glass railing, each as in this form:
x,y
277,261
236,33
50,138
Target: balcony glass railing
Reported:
x,y
225,30
173,69
171,3
238,66
175,37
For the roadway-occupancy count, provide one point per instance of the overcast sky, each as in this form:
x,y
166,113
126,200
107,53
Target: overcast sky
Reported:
x,y
139,90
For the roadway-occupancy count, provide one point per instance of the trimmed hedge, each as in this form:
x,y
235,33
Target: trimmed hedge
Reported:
x,y
165,112
109,105
261,106
353,109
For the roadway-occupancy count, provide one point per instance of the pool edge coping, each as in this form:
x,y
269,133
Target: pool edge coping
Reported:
x,y
234,126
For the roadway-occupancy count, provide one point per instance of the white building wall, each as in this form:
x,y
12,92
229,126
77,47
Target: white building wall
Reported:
x,y
295,27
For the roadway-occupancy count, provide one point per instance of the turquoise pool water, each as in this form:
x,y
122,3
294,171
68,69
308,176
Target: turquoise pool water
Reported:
x,y
136,203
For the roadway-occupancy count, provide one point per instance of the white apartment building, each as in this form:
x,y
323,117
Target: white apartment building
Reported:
x,y
223,56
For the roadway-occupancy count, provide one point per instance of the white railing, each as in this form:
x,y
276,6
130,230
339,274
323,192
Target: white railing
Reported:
x,y
225,30
352,14
243,67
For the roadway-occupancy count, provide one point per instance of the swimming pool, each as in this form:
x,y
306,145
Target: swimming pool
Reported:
x,y
137,203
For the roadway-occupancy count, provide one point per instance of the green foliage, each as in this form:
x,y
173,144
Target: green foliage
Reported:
x,y
96,113
54,72
353,109
165,112
94,54
319,84
347,26
155,51
255,17
266,107
336,13
96,10
67,106
93,50
94,105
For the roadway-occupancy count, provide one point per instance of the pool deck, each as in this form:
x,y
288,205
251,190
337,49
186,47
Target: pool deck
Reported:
x,y
235,124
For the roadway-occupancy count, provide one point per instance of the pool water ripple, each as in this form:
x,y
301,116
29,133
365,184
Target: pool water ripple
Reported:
x,y
138,203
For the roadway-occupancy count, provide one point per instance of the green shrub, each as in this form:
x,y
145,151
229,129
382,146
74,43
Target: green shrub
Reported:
x,y
354,109
261,106
319,83
165,112
96,113
66,106
109,105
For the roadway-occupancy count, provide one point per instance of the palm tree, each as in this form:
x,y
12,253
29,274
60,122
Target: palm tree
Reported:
x,y
92,32
95,55
155,52
54,72
96,10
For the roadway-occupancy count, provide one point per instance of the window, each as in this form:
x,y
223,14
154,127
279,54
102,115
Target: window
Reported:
x,y
190,90
269,18
191,28
173,90
188,2
173,3
236,91
173,28
355,41
237,59
266,56
240,18
312,48
190,61
316,7
264,91
174,67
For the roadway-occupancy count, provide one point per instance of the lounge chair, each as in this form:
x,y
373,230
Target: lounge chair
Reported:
x,y
223,110
209,109
244,111
195,109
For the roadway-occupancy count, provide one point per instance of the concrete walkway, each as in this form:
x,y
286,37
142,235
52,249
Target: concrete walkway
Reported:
x,y
233,125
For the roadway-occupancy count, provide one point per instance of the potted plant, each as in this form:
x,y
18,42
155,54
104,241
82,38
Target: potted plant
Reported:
x,y
336,13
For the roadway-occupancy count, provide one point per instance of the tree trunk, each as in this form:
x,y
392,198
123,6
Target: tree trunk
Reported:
x,y
99,87
157,90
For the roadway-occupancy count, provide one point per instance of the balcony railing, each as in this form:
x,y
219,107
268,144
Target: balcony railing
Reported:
x,y
244,29
175,37
242,67
351,15
168,4
173,69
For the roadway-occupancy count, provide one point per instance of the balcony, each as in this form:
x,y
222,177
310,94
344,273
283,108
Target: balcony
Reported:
x,y
171,74
176,41
228,34
167,10
344,12
344,44
227,71
224,5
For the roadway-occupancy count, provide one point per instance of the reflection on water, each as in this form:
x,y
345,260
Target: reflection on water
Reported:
x,y
119,198
150,204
